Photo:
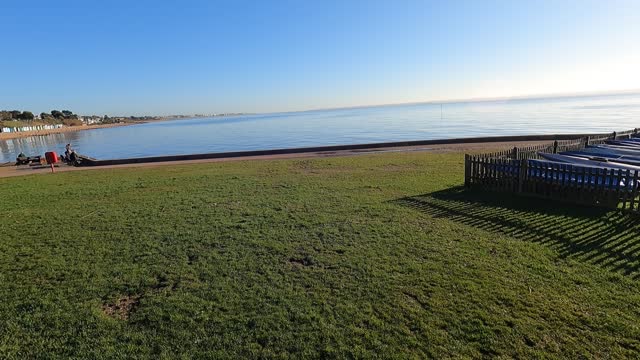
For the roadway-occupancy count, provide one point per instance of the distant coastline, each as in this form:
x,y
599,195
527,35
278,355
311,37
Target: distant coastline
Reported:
x,y
189,117
471,100
300,130
124,122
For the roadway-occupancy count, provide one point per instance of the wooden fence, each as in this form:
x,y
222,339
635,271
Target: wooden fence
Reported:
x,y
520,171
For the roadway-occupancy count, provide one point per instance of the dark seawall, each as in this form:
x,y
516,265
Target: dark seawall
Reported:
x,y
315,149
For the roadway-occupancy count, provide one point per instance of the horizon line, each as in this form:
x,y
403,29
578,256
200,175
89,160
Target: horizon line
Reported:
x,y
473,100
425,102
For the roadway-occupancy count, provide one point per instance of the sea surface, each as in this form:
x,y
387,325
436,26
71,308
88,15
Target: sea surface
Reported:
x,y
605,113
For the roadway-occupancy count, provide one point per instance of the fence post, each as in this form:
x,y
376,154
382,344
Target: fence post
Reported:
x,y
586,141
514,153
555,146
467,169
615,135
522,174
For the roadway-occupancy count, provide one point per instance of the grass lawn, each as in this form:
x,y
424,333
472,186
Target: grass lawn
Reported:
x,y
340,257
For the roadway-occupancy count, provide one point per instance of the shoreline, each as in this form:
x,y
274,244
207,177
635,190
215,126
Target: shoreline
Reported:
x,y
462,147
472,145
341,148
66,129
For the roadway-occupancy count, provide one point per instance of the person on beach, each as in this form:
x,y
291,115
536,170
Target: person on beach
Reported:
x,y
69,154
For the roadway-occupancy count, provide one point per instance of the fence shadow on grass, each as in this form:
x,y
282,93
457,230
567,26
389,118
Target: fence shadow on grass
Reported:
x,y
609,239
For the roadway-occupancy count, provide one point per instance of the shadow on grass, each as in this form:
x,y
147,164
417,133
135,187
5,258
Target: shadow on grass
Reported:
x,y
609,239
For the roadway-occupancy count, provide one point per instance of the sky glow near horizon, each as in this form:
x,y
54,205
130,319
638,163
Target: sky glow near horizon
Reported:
x,y
166,57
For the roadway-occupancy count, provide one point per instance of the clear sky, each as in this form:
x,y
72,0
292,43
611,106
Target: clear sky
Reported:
x,y
165,57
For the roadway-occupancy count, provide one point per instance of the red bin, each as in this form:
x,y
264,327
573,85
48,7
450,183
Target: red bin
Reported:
x,y
51,157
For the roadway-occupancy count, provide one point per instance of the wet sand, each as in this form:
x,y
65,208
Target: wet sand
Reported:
x,y
9,170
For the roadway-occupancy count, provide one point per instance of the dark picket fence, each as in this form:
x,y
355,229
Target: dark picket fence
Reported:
x,y
520,171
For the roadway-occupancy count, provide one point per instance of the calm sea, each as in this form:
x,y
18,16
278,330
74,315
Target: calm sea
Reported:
x,y
344,126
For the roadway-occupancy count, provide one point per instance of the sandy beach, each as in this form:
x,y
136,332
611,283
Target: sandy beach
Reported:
x,y
9,170
23,134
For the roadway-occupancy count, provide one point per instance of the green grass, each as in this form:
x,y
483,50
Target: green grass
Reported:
x,y
342,257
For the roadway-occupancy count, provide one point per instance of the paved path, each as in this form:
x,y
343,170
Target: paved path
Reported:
x,y
11,170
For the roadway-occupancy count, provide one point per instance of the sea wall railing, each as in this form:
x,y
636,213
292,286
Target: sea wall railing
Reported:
x,y
520,171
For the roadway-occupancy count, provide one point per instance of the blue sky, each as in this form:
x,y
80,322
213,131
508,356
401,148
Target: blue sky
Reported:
x,y
165,57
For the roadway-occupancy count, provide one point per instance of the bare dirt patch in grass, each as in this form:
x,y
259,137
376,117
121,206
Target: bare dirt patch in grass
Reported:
x,y
122,308
126,305
415,302
397,167
304,261
310,167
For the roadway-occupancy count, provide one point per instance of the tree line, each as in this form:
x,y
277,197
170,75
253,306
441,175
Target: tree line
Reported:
x,y
8,115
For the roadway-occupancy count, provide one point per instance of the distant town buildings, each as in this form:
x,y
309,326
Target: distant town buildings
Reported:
x,y
91,119
18,121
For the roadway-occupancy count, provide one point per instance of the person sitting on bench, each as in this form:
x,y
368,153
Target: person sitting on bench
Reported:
x,y
69,154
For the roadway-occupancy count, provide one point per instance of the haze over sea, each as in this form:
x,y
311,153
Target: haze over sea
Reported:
x,y
579,114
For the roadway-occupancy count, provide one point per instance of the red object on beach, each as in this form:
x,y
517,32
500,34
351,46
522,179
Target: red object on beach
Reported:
x,y
52,158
